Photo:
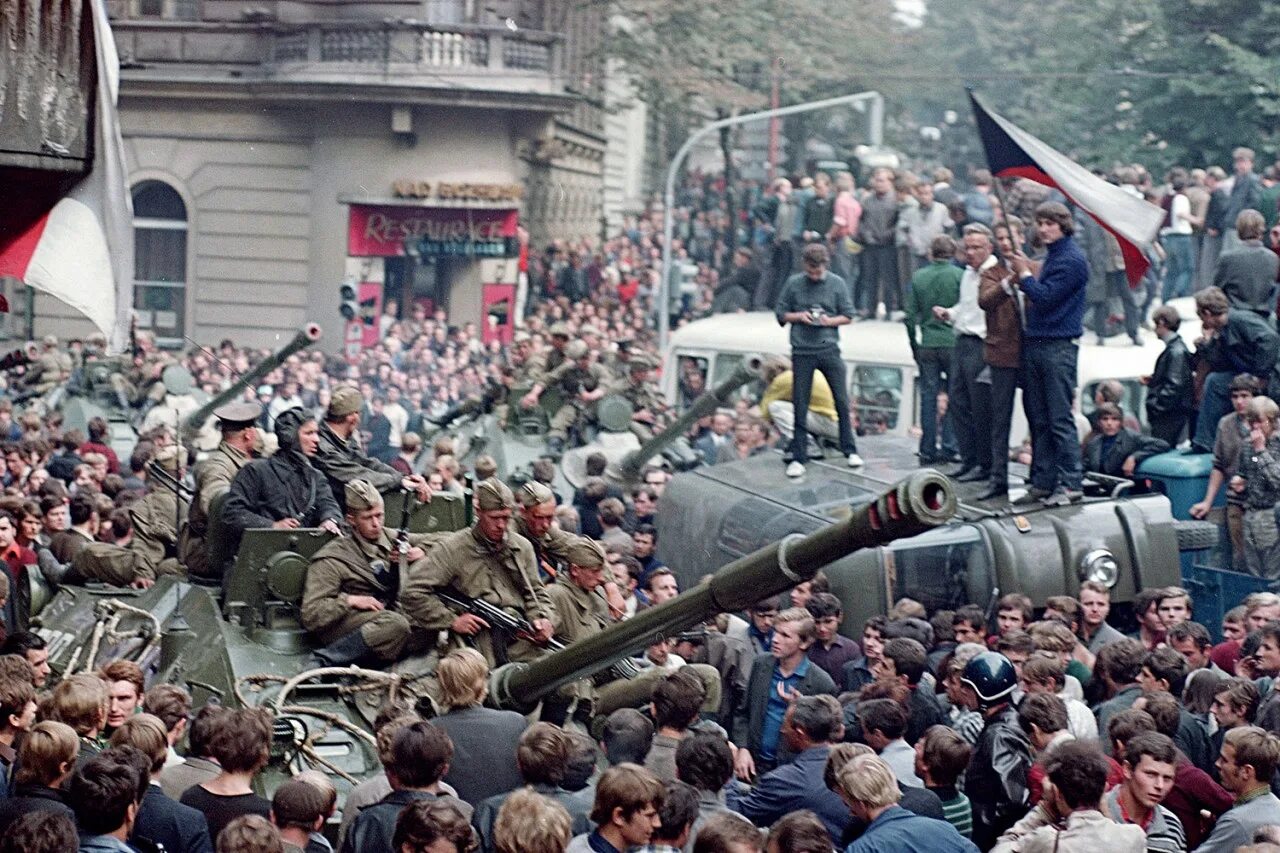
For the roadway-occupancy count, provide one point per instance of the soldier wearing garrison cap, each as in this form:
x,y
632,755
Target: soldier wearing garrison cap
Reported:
x,y
579,611
341,458
238,423
648,409
489,561
353,582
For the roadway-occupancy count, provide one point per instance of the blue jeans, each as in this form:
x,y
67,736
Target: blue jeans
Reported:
x,y
1179,267
1048,389
933,363
830,365
1215,403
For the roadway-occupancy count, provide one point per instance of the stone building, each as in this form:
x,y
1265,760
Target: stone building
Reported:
x,y
280,148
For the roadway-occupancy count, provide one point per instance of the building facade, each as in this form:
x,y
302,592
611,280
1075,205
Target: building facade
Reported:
x,y
281,149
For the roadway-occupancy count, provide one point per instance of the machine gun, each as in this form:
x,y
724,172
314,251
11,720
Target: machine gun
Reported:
x,y
517,626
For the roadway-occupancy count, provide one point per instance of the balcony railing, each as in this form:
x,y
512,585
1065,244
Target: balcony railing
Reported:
x,y
355,50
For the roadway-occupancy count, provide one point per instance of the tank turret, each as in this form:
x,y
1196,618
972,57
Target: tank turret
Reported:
x,y
627,455
917,503
193,423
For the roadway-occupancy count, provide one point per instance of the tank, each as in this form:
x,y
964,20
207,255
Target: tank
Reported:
x,y
918,503
627,455
193,425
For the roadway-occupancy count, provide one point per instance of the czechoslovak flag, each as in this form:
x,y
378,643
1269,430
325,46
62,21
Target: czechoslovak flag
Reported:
x,y
81,251
1014,153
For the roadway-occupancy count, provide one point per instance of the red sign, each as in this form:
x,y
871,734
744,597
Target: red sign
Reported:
x,y
383,231
363,331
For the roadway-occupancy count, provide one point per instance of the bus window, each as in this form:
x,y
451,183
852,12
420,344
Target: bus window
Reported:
x,y
877,398
726,363
691,381
1132,401
944,569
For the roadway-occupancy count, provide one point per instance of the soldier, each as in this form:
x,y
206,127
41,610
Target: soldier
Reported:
x,y
579,611
353,583
342,459
536,522
582,383
541,364
152,549
177,402
285,491
648,408
238,423
487,561
51,370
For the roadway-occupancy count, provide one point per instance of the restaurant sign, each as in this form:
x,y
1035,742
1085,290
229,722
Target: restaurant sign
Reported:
x,y
383,231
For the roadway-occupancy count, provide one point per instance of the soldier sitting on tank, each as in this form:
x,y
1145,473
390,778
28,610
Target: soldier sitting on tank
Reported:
x,y
648,411
579,611
581,381
342,459
152,550
353,582
536,522
285,491
214,474
488,561
539,364
51,370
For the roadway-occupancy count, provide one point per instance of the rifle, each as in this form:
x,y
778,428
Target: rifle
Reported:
x,y
518,626
402,535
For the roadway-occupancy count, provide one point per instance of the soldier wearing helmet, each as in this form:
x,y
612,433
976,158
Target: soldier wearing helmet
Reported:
x,y
997,777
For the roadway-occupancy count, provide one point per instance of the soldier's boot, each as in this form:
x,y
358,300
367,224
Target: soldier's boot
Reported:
x,y
346,650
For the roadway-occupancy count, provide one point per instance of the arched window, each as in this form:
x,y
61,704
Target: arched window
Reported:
x,y
160,260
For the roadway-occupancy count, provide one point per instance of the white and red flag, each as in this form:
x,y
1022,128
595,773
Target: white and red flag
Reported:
x,y
1014,153
81,250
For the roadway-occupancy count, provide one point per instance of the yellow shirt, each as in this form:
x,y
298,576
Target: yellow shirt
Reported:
x,y
821,402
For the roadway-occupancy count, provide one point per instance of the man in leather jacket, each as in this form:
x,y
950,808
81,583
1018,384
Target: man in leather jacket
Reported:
x,y
996,781
1169,387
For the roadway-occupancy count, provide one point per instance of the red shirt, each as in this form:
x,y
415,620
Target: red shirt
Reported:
x,y
113,461
1035,778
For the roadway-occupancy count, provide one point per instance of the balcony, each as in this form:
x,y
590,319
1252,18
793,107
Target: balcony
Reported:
x,y
386,55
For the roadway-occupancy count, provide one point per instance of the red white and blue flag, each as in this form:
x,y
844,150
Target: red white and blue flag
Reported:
x,y
1014,153
81,250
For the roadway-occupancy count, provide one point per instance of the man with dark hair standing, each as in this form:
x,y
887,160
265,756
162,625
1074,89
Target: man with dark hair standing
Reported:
x,y
104,793
816,303
905,660
1235,341
1149,766
1055,319
1248,760
808,728
831,650
1169,387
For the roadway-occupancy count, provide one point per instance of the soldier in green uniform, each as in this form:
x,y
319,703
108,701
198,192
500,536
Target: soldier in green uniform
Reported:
x,y
51,370
489,561
238,423
153,549
536,521
582,382
353,582
341,458
647,406
579,611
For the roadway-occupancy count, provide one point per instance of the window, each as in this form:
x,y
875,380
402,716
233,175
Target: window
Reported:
x,y
1132,401
691,380
877,398
173,10
943,569
160,260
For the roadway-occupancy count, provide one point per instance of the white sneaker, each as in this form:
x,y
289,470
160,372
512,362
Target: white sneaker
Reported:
x,y
795,469
855,461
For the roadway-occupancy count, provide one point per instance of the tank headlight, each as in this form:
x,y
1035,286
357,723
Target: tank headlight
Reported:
x,y
1100,566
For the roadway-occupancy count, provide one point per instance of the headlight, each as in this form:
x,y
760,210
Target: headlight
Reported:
x,y
1100,566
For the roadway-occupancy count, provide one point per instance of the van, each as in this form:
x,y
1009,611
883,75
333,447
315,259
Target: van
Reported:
x,y
882,375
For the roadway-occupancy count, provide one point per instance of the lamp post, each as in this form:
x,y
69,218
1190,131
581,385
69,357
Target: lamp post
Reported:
x,y
669,198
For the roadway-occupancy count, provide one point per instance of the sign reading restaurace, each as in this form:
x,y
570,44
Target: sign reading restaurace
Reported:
x,y
386,231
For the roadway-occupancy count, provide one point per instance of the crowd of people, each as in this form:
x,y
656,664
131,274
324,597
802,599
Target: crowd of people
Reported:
x,y
1035,729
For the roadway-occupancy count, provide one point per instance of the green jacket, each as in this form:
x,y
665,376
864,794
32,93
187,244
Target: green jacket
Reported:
x,y
936,284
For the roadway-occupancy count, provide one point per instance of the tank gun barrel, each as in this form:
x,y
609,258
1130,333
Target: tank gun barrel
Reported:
x,y
915,504
705,405
306,336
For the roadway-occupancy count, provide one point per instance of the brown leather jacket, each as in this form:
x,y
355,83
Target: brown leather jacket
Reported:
x,y
1004,325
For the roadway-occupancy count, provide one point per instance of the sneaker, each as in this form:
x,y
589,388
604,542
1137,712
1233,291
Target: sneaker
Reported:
x,y
1033,496
1062,497
795,469
855,461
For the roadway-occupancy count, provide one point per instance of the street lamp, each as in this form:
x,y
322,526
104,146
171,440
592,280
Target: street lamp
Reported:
x,y
669,199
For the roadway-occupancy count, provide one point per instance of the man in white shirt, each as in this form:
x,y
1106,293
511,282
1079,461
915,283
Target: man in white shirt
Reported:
x,y
884,721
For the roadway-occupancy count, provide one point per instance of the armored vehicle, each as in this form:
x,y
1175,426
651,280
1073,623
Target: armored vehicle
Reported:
x,y
713,515
243,645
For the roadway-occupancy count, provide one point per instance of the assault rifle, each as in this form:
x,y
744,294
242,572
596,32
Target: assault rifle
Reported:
x,y
518,626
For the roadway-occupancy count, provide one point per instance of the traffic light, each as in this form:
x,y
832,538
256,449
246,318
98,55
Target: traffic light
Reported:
x,y
348,307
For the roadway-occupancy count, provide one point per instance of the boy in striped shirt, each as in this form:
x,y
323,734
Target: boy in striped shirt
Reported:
x,y
941,756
